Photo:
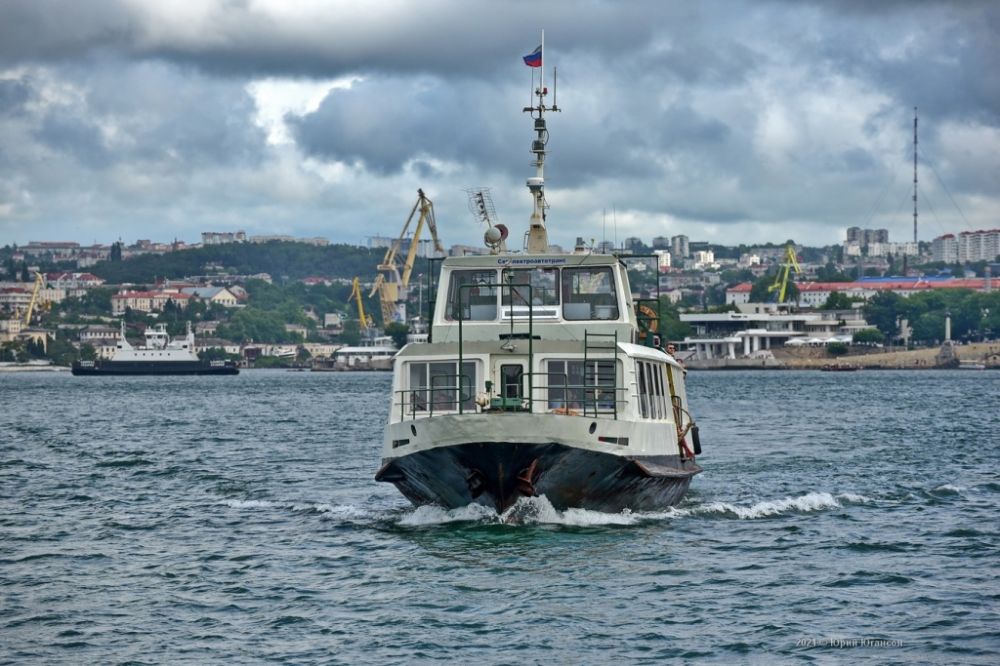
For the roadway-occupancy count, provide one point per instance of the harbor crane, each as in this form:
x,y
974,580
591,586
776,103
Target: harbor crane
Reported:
x,y
364,321
394,278
39,283
790,263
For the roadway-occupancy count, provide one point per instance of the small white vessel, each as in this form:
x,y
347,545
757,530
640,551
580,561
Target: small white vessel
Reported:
x,y
158,356
541,376
375,353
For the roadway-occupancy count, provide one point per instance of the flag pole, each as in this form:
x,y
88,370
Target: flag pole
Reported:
x,y
542,72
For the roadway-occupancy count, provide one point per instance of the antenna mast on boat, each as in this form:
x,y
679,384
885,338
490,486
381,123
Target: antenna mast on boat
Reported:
x,y
914,174
538,238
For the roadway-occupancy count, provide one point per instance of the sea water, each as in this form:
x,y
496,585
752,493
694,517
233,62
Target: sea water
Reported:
x,y
841,518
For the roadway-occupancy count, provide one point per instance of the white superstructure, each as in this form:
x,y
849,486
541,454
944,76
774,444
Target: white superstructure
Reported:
x,y
158,346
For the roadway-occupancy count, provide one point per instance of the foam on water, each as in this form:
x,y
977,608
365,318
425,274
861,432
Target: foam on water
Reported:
x,y
816,501
435,515
327,511
249,504
539,511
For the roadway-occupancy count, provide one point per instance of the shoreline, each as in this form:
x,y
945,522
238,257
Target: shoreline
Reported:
x,y
945,357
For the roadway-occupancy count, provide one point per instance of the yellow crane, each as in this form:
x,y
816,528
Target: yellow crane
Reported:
x,y
393,279
364,321
39,284
781,277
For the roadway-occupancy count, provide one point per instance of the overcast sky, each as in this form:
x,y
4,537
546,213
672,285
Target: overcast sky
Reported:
x,y
726,121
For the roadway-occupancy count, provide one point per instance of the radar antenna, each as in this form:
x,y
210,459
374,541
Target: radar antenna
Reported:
x,y
481,206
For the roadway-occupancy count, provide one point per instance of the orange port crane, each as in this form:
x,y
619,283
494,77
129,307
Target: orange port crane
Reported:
x,y
394,278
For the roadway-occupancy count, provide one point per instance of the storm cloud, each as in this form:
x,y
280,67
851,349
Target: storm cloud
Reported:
x,y
727,121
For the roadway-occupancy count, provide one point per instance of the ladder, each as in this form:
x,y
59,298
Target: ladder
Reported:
x,y
600,378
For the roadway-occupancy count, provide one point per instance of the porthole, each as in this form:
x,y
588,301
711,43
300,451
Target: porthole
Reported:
x,y
593,427
413,430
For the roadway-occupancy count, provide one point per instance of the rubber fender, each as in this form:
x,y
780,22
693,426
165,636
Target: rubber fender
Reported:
x,y
696,440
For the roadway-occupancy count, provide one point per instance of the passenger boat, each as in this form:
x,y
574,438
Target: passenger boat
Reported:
x,y
541,376
158,356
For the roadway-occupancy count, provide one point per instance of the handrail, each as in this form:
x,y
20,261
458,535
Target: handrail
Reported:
x,y
433,399
601,346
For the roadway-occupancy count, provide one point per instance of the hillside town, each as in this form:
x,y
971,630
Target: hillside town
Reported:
x,y
719,303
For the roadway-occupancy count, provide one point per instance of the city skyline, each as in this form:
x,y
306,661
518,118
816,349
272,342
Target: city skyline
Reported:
x,y
728,122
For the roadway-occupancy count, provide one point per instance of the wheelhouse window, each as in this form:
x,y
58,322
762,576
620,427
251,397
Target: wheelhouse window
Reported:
x,y
437,386
530,292
478,302
574,385
589,293
544,286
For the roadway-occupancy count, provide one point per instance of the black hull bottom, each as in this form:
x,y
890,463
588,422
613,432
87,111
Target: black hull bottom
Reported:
x,y
146,368
498,474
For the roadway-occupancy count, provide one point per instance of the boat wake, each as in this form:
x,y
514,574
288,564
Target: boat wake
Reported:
x,y
802,504
539,511
526,511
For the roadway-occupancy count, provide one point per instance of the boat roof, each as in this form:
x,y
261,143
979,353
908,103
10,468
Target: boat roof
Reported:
x,y
512,260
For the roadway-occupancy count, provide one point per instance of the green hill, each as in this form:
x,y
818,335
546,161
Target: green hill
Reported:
x,y
282,260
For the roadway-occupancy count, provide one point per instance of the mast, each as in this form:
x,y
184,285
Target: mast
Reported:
x,y
538,238
914,174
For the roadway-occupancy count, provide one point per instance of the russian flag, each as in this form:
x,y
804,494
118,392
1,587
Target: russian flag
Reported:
x,y
534,59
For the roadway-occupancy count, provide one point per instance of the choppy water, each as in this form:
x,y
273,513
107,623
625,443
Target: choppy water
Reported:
x,y
209,520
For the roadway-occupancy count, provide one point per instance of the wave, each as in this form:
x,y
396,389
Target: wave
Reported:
x,y
435,515
815,501
326,511
539,511
249,504
526,511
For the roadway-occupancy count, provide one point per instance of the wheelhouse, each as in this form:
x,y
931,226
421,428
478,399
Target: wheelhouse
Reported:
x,y
542,334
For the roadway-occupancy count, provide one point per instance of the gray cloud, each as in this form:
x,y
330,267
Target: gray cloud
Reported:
x,y
14,94
715,118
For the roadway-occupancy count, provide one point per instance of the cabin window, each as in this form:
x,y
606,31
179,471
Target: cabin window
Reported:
x,y
652,390
544,286
661,405
479,302
643,390
589,293
437,386
575,384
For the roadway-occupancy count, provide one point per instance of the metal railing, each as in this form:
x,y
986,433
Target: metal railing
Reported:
x,y
594,402
587,399
423,400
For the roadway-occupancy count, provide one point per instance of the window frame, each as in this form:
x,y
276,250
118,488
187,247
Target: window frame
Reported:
x,y
577,395
571,298
420,396
454,290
